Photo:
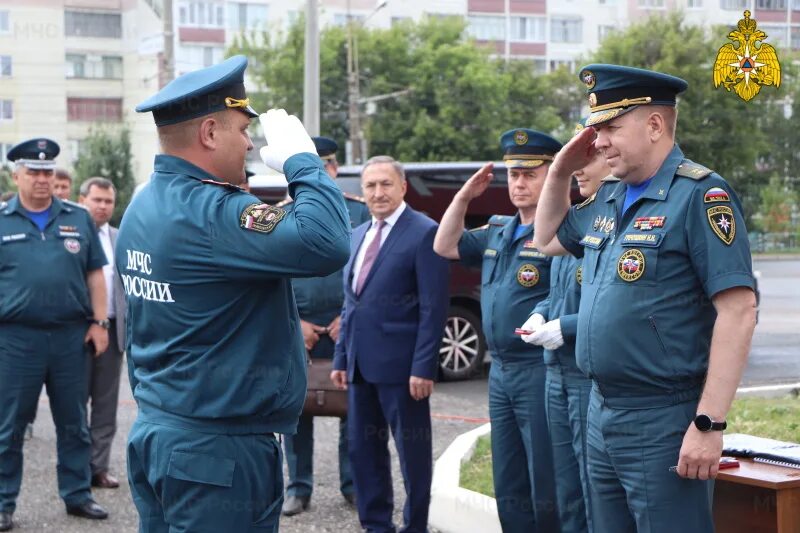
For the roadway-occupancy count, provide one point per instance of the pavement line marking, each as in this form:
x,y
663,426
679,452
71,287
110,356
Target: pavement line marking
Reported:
x,y
766,388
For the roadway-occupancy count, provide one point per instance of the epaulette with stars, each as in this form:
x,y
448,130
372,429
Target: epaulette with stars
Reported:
x,y
284,203
690,169
587,201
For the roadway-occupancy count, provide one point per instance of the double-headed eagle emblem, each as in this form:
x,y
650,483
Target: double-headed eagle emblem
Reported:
x,y
745,66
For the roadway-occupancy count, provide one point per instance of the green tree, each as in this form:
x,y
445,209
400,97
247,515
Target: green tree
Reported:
x,y
6,181
108,154
775,209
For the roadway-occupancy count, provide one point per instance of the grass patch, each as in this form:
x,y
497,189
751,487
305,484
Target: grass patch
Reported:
x,y
476,474
773,418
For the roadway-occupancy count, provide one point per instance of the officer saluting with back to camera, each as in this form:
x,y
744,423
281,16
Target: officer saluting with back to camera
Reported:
x,y
667,306
206,268
53,306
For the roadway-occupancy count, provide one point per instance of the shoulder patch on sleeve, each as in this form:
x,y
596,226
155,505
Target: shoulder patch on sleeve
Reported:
x,y
690,169
722,222
284,203
225,184
587,201
610,177
354,197
499,220
261,217
480,228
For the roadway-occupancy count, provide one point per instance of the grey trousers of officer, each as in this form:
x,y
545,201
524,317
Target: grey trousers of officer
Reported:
x,y
103,379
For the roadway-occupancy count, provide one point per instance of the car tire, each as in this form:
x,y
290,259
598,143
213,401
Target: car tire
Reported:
x,y
463,345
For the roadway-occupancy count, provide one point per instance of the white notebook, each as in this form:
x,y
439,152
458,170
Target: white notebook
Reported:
x,y
769,450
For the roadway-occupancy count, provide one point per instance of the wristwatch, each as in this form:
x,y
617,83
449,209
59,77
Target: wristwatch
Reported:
x,y
105,323
705,423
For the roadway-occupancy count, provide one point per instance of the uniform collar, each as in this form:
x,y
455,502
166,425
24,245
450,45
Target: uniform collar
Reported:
x,y
15,206
170,164
658,189
510,227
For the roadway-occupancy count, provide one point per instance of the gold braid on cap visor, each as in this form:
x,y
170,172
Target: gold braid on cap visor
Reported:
x,y
234,102
627,102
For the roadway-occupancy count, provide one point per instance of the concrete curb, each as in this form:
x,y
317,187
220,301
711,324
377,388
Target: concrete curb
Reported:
x,y
453,508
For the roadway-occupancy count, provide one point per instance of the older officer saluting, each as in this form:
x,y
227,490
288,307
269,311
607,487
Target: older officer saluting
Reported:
x,y
667,307
206,268
319,304
54,302
515,277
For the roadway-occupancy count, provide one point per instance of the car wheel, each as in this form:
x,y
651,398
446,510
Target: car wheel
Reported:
x,y
463,345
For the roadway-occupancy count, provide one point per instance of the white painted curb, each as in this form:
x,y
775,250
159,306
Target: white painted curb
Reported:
x,y
455,509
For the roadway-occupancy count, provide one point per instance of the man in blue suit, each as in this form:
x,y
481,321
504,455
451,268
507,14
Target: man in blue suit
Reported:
x,y
396,295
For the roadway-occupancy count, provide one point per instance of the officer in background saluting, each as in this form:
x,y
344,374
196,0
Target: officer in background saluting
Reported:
x,y
667,306
54,302
319,303
514,278
217,356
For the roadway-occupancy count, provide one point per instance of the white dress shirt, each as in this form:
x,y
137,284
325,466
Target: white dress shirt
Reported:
x,y
108,270
391,220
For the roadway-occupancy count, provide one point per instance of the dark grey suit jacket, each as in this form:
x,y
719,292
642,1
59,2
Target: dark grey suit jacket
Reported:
x,y
119,298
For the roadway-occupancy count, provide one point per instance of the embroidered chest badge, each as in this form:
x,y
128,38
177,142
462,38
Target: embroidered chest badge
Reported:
x,y
630,266
72,246
528,275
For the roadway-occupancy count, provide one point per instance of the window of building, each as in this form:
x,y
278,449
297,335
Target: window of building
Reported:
x,y
196,57
694,4
795,5
5,66
539,66
402,20
340,19
5,26
94,66
75,147
529,29
603,31
657,4
776,35
83,24
734,4
6,110
94,109
4,149
485,28
203,14
566,30
771,5
244,17
569,64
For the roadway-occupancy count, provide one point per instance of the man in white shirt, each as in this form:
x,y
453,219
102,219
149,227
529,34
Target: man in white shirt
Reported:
x,y
98,195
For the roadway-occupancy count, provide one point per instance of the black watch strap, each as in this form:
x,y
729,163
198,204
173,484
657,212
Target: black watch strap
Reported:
x,y
704,423
105,324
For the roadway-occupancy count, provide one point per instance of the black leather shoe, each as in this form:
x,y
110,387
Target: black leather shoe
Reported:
x,y
294,505
350,498
6,523
88,509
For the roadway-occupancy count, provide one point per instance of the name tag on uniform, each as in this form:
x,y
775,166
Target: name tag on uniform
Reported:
x,y
531,253
593,241
14,237
642,239
489,252
66,234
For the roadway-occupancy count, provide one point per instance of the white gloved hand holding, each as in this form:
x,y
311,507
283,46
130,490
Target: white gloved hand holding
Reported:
x,y
549,335
285,137
534,322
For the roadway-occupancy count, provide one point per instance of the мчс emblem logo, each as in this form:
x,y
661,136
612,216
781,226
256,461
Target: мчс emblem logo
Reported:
x,y
528,275
744,67
630,266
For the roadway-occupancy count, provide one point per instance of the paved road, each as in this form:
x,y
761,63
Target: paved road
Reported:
x,y
457,408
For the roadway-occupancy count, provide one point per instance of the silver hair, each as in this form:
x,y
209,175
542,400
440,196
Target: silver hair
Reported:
x,y
386,159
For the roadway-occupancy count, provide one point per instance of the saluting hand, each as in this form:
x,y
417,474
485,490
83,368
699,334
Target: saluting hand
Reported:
x,y
420,388
98,337
478,183
576,154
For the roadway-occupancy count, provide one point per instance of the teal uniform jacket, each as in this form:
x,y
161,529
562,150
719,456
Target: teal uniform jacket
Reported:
x,y
562,303
514,278
43,273
319,300
206,270
646,317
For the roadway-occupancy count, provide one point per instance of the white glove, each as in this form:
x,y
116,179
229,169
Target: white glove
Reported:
x,y
549,335
285,137
534,322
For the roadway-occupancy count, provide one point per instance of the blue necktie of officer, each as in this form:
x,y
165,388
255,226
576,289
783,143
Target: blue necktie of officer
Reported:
x,y
369,257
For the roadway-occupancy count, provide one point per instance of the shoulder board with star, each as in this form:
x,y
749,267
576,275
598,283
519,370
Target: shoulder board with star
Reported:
x,y
690,169
74,204
587,201
610,177
479,228
284,203
354,197
499,220
225,184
